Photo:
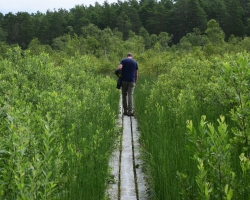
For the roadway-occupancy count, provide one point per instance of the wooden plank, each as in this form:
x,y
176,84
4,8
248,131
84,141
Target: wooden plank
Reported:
x,y
128,191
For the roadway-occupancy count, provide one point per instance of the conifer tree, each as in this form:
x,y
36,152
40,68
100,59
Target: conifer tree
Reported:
x,y
179,20
235,26
196,16
10,26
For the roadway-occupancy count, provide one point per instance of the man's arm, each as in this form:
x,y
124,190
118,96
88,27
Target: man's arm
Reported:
x,y
136,76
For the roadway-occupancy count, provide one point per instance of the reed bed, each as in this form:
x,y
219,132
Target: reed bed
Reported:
x,y
57,127
194,128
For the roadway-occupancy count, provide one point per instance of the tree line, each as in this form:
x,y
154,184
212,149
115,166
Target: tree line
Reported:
x,y
141,17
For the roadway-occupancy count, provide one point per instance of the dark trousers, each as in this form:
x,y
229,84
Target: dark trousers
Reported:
x,y
127,96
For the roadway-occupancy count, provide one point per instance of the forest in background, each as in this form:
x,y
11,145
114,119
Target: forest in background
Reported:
x,y
58,105
145,18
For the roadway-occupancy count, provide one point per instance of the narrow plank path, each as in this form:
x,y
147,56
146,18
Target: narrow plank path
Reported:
x,y
129,179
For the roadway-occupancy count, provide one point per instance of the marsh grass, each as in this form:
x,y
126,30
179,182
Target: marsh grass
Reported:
x,y
163,140
210,160
57,127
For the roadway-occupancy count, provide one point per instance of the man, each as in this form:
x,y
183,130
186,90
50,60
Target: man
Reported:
x,y
129,69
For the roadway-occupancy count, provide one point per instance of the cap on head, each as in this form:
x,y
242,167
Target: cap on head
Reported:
x,y
129,55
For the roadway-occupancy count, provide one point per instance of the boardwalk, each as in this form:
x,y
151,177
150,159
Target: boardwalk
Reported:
x,y
126,164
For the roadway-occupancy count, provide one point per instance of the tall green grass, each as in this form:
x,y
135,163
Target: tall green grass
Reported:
x,y
57,127
163,139
188,155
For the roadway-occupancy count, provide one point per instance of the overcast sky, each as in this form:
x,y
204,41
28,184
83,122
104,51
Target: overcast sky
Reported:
x,y
32,6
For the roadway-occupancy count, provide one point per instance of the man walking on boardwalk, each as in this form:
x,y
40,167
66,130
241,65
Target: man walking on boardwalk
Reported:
x,y
129,69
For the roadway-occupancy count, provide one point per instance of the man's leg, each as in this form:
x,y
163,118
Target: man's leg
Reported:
x,y
124,96
131,87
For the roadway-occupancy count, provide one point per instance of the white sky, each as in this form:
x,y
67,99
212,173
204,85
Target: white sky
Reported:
x,y
32,6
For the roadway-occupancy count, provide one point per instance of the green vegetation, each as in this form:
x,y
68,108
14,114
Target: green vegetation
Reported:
x,y
147,18
194,124
59,103
57,127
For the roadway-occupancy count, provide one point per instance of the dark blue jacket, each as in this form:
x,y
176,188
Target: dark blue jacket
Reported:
x,y
129,67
